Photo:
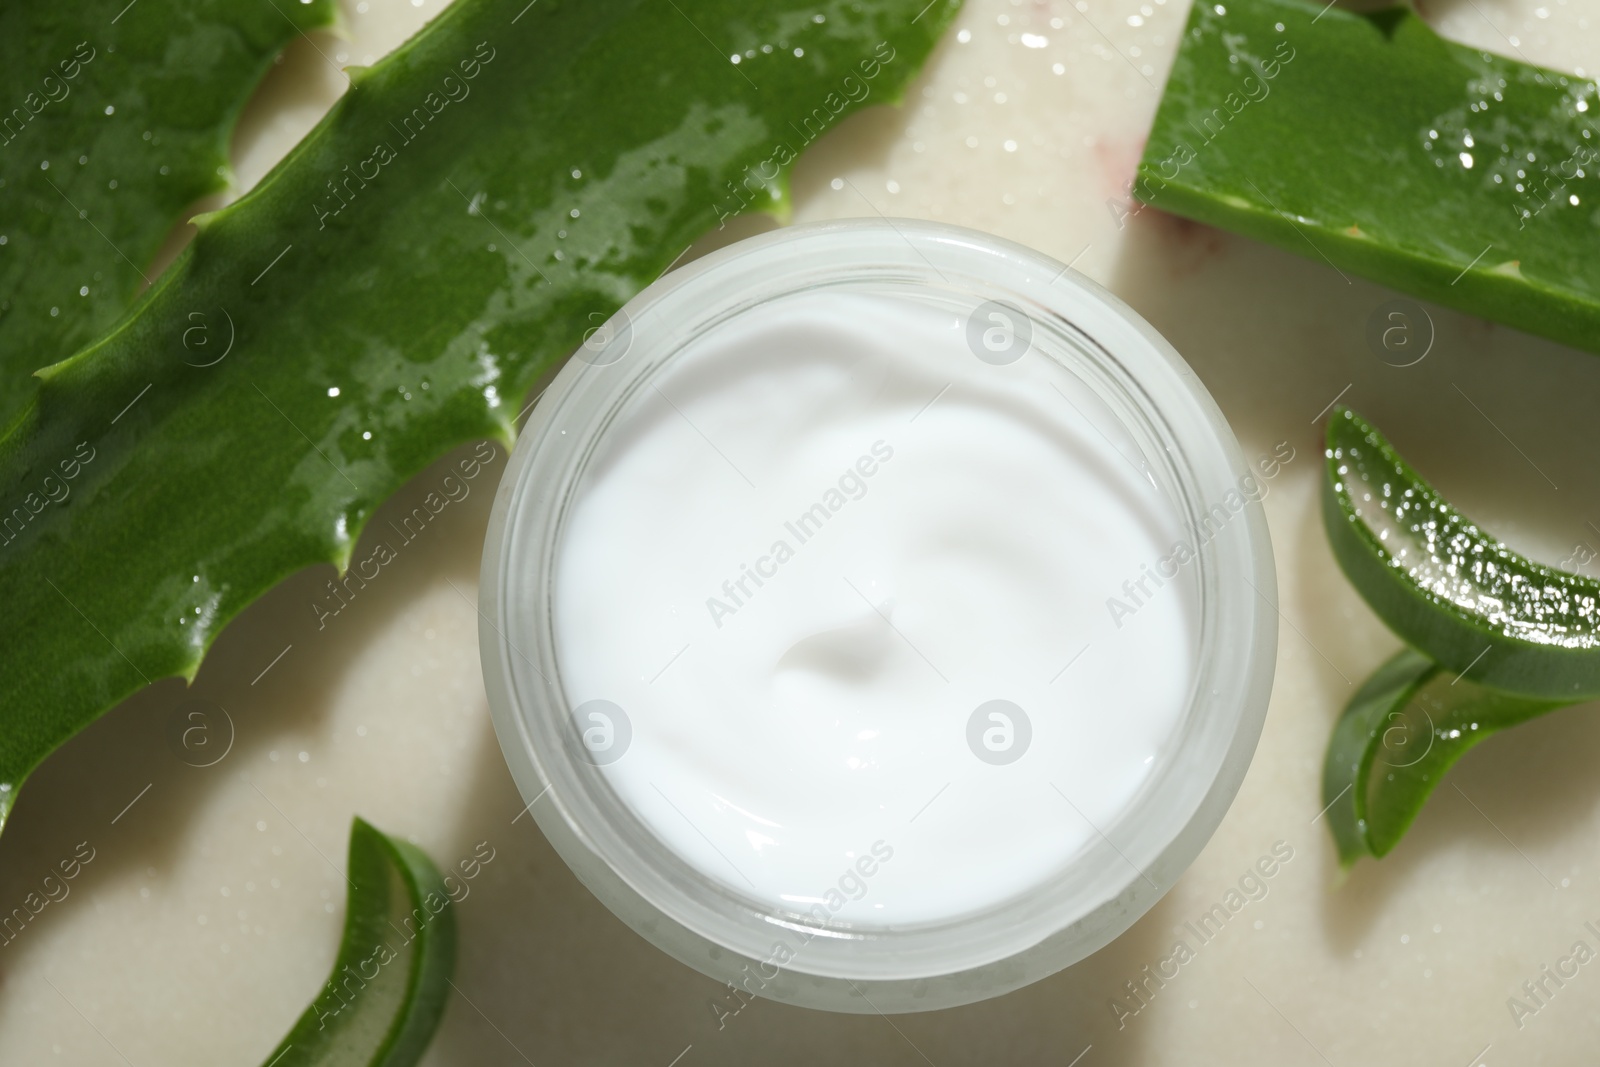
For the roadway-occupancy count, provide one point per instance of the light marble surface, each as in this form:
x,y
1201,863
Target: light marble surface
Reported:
x,y
210,912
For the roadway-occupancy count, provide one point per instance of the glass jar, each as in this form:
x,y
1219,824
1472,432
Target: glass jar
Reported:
x,y
1148,400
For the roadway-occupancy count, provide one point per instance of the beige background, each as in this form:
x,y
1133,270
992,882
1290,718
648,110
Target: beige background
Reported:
x,y
210,913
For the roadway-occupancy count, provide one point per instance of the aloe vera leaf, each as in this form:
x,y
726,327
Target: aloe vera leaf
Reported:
x,y
121,112
375,322
1370,143
1356,736
387,991
1448,588
1396,739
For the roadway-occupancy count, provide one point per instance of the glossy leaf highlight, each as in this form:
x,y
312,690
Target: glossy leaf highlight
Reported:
x,y
1446,586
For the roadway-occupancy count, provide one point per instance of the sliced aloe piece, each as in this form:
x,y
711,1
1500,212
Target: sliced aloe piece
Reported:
x,y
382,1002
1448,588
1350,750
1367,141
1406,726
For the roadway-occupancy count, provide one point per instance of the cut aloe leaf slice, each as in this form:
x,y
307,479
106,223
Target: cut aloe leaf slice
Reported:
x,y
382,1002
1349,759
1448,588
1365,141
1390,749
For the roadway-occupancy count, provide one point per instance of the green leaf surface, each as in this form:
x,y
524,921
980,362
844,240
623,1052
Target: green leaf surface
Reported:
x,y
1372,144
1390,749
1358,732
387,991
1448,588
114,118
480,199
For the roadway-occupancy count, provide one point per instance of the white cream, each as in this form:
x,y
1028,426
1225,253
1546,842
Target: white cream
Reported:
x,y
798,695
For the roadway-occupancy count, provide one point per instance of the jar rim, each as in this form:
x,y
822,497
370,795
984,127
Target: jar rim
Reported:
x,y
858,967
